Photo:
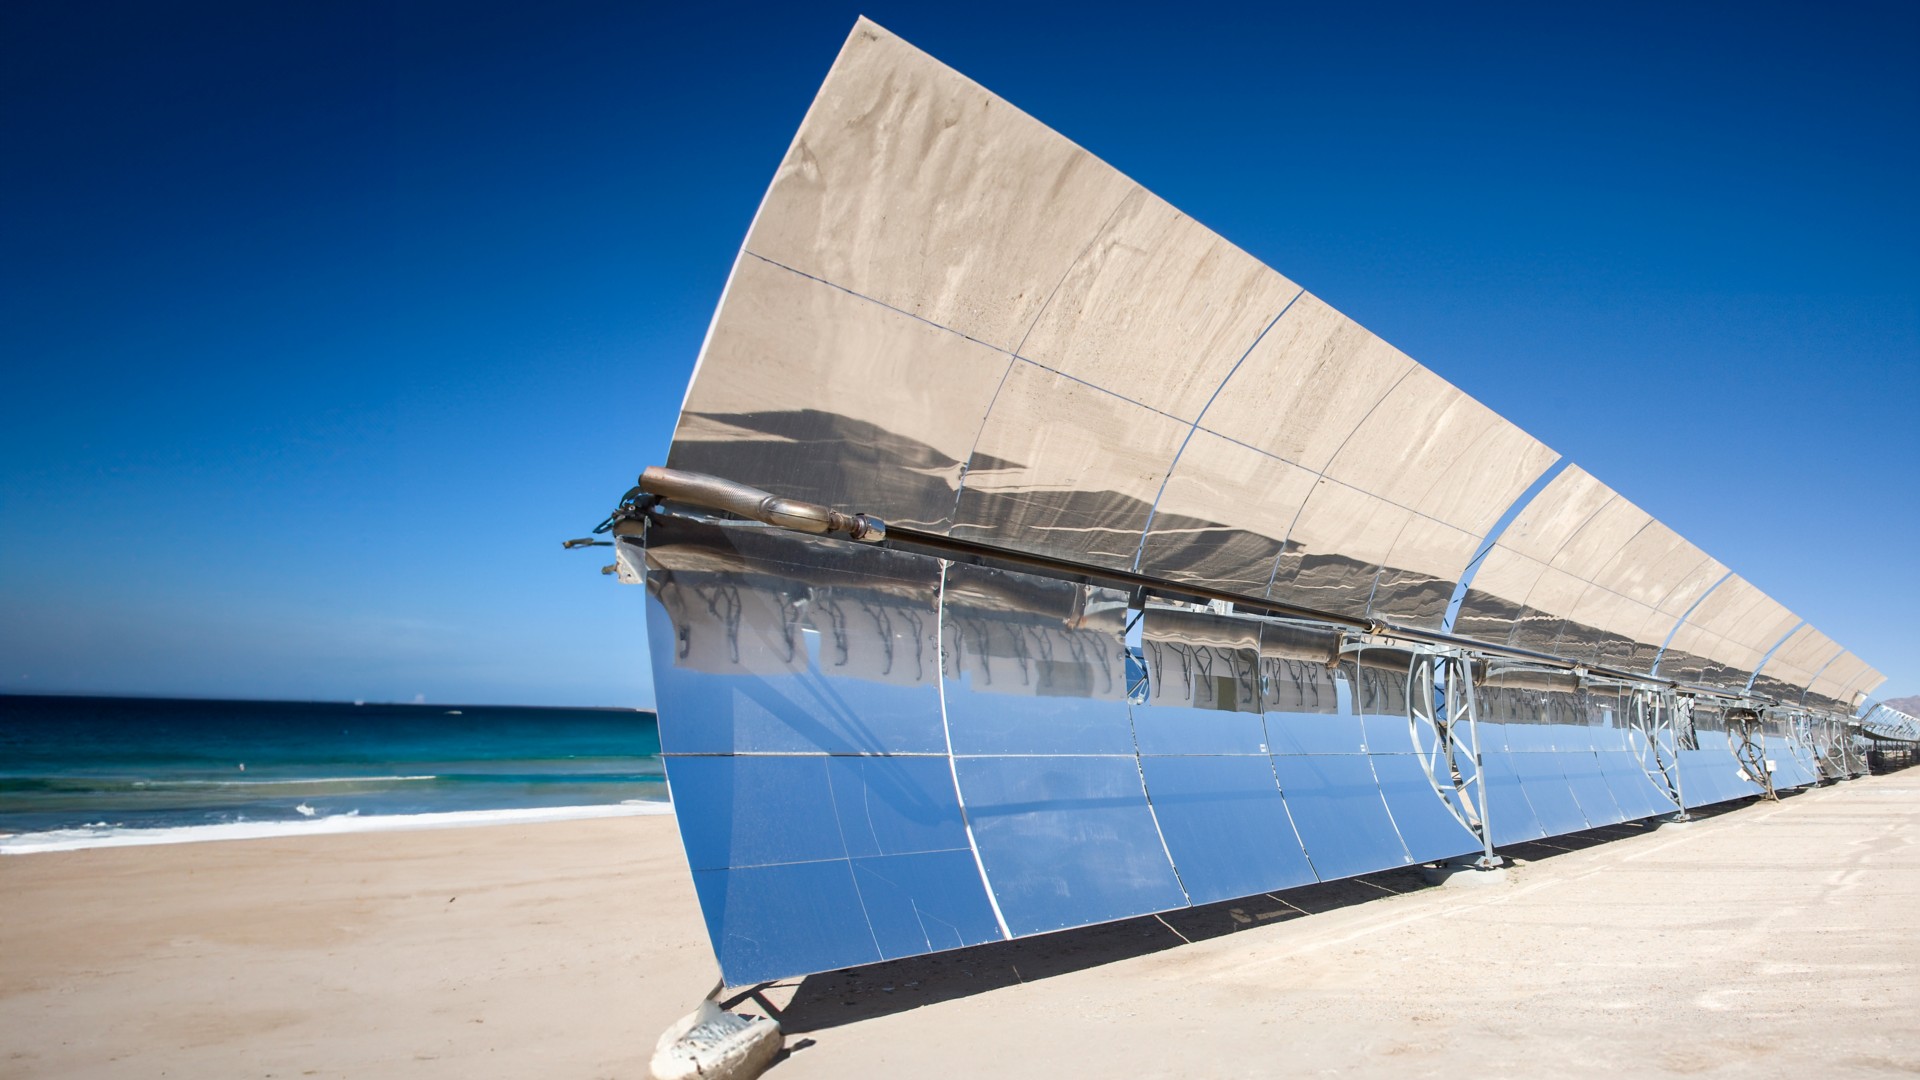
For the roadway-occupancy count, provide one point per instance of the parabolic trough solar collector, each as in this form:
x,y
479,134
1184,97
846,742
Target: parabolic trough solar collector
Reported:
x,y
951,318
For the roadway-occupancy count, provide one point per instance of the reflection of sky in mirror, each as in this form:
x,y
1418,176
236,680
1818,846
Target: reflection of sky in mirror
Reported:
x,y
338,317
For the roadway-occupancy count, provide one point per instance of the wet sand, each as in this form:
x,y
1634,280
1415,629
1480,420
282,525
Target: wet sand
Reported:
x,y
1770,939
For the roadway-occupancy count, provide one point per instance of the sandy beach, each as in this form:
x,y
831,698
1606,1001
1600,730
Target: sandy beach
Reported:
x,y
1765,940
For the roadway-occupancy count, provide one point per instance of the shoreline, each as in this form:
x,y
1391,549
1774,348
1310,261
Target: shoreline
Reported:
x,y
88,838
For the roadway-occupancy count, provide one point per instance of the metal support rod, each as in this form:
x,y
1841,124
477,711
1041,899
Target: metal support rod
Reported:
x,y
1487,857
1674,709
715,493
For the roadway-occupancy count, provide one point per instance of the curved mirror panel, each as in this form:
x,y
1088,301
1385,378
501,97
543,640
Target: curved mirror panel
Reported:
x,y
950,317
799,705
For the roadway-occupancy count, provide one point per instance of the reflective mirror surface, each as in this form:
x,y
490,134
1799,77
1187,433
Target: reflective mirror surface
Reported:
x,y
948,316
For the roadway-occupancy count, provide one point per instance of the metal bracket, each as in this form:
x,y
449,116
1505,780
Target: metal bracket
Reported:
x,y
1750,749
1664,722
1798,730
1444,719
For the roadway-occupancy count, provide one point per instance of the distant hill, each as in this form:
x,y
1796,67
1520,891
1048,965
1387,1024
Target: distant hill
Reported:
x,y
1909,704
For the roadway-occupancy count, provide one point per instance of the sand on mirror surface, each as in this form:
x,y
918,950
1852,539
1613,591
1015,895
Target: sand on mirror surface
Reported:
x,y
1766,940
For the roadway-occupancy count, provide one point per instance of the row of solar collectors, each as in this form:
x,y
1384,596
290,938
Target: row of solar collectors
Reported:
x,y
874,754
1885,722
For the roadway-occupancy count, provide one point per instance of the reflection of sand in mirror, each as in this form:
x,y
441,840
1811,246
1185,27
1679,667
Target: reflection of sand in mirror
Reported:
x,y
911,184
1093,464
1224,515
1157,309
811,392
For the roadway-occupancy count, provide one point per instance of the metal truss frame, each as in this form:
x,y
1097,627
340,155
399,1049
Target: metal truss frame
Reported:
x,y
1443,718
1664,721
1746,740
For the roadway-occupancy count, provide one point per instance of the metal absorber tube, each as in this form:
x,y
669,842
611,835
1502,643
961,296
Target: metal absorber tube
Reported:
x,y
715,493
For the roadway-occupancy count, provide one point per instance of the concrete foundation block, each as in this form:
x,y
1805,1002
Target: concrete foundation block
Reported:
x,y
712,1044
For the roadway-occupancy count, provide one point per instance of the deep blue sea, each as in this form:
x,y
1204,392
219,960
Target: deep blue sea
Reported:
x,y
79,771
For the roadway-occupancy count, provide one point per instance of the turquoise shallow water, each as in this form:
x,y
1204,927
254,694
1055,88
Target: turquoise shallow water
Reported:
x,y
139,763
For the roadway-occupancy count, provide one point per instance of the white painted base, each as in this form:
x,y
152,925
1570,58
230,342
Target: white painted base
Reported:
x,y
1463,875
712,1044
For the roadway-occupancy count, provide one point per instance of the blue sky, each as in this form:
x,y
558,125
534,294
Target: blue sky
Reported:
x,y
326,322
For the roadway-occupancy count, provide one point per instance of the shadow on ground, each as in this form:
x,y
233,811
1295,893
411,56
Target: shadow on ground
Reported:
x,y
833,998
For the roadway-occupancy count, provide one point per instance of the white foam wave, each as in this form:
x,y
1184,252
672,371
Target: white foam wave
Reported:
x,y
103,835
